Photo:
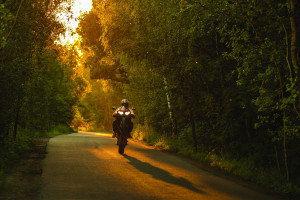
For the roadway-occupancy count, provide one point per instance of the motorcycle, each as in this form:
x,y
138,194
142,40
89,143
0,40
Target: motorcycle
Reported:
x,y
123,125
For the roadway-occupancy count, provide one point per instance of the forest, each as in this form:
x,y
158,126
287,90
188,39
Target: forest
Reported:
x,y
217,80
38,85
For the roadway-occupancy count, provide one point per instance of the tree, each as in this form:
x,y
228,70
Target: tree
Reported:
x,y
227,71
29,66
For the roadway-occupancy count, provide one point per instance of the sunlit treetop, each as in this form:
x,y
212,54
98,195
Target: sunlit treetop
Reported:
x,y
68,14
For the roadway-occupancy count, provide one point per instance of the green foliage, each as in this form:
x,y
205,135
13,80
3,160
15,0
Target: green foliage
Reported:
x,y
222,73
11,149
37,88
145,133
5,20
60,129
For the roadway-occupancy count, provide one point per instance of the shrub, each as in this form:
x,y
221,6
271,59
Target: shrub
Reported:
x,y
59,129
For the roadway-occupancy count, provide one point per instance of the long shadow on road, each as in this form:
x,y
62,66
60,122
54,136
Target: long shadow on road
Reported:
x,y
161,174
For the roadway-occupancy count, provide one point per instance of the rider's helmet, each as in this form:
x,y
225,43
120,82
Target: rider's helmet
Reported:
x,y
125,103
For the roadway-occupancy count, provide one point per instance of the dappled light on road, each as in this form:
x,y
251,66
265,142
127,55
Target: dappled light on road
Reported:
x,y
96,134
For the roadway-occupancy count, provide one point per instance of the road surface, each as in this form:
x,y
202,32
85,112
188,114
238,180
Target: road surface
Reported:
x,y
88,166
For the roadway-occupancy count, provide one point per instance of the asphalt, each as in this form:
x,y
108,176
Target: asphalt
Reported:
x,y
88,166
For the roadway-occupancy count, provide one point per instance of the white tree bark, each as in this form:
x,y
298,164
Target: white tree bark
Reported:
x,y
174,128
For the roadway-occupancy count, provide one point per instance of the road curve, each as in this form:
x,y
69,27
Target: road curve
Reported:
x,y
88,166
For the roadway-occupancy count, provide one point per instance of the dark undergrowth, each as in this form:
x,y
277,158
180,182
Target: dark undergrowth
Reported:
x,y
13,149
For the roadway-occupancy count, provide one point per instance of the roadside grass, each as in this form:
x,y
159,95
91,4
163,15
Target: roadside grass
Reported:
x,y
245,168
60,129
5,184
12,149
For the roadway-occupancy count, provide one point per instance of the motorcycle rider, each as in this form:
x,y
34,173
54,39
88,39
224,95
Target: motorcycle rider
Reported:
x,y
124,103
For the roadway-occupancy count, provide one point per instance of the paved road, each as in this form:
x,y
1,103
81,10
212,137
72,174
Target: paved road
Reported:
x,y
88,166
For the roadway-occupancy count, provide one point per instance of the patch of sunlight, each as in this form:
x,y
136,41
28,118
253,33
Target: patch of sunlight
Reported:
x,y
106,154
105,86
96,134
70,19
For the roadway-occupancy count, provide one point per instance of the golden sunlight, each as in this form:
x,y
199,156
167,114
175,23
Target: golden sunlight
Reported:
x,y
70,20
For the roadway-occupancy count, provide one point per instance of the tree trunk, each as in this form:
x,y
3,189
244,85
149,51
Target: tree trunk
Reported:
x,y
16,122
293,49
291,8
284,128
191,115
108,124
284,149
277,161
172,119
247,124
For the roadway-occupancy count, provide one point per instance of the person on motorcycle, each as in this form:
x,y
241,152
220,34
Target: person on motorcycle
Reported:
x,y
125,103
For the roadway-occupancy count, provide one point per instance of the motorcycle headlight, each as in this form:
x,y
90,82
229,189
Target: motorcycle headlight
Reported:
x,y
120,112
127,113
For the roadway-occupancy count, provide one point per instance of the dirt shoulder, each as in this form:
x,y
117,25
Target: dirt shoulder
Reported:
x,y
23,179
